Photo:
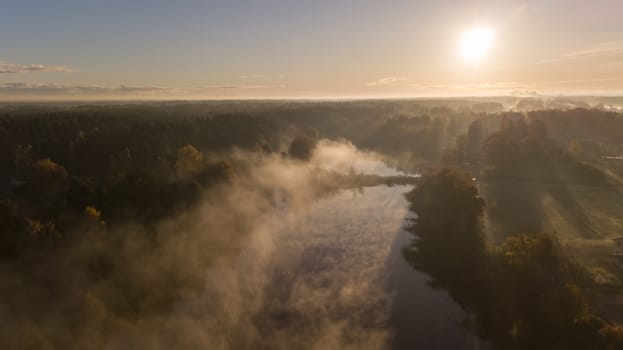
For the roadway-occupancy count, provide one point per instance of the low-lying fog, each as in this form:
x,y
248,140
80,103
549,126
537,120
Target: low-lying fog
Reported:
x,y
327,274
267,262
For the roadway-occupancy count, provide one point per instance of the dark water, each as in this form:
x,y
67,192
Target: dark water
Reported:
x,y
341,274
422,318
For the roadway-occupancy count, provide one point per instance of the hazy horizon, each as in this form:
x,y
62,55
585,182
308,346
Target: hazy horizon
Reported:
x,y
213,50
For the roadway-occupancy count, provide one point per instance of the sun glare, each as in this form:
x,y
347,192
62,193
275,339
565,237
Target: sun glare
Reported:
x,y
475,43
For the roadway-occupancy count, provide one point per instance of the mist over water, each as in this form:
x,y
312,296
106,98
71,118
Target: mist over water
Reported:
x,y
344,157
331,275
267,262
341,280
330,279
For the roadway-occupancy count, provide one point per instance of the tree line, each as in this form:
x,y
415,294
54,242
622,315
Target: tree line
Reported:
x,y
523,293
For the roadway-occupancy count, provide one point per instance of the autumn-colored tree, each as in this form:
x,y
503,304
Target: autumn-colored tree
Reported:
x,y
51,178
189,160
45,178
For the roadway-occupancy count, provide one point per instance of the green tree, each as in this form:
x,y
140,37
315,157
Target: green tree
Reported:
x,y
448,231
302,147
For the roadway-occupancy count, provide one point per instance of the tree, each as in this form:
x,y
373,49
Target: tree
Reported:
x,y
45,179
448,226
12,227
447,198
23,160
474,137
523,294
51,177
302,147
189,160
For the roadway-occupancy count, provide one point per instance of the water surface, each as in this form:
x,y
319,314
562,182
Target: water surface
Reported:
x,y
340,273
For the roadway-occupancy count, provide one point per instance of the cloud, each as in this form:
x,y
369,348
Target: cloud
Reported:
x,y
525,93
253,76
240,86
11,68
579,81
504,88
56,90
499,85
601,49
386,81
611,48
521,88
263,77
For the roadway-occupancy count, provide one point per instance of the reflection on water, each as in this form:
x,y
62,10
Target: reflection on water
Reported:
x,y
339,274
420,315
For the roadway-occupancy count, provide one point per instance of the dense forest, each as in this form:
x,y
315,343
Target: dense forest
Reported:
x,y
111,213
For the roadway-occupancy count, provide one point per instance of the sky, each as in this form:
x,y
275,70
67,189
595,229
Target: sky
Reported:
x,y
156,49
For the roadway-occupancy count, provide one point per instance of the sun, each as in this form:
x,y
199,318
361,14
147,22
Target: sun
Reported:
x,y
475,43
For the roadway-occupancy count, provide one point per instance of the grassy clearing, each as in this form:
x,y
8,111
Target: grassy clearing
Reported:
x,y
585,218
